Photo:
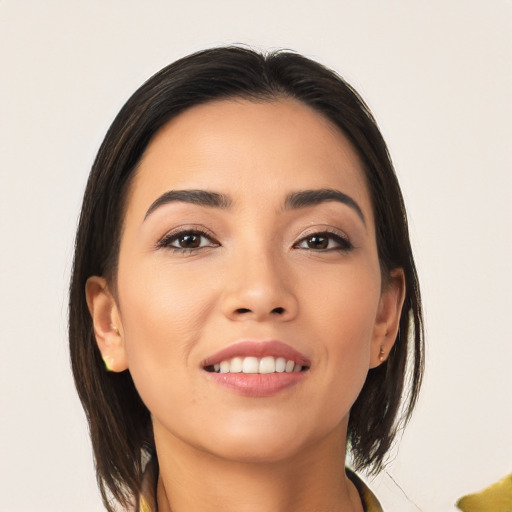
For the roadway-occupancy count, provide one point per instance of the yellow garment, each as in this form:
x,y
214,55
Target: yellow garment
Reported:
x,y
368,499
496,498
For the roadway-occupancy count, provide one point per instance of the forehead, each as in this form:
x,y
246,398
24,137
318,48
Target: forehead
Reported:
x,y
246,147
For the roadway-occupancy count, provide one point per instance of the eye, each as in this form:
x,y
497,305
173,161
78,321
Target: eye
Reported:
x,y
324,241
188,240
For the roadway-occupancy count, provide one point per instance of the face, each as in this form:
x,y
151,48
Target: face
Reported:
x,y
249,301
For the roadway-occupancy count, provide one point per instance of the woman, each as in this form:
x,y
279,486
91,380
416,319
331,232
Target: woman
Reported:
x,y
244,305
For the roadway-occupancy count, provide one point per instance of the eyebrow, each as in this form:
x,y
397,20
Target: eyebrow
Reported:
x,y
306,198
199,197
293,201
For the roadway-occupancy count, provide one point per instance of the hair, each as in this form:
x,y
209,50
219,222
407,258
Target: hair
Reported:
x,y
119,422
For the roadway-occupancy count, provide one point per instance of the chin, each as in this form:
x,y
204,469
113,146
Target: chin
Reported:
x,y
251,452
262,442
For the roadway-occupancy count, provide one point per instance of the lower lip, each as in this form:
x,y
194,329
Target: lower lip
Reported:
x,y
257,384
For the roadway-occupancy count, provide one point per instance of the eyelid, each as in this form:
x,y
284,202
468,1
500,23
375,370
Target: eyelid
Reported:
x,y
164,241
345,245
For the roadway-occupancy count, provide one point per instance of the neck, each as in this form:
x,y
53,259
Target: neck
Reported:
x,y
314,479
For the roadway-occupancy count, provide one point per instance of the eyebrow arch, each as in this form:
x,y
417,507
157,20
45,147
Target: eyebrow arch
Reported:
x,y
305,198
199,197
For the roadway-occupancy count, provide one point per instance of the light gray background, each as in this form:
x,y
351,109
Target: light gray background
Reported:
x,y
438,77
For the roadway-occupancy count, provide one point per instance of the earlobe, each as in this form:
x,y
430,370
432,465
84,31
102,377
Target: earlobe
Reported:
x,y
388,317
107,324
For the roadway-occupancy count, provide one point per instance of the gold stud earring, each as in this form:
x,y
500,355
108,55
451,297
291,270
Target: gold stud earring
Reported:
x,y
382,356
116,330
109,362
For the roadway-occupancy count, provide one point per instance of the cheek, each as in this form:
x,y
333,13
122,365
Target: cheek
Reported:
x,y
343,303
162,314
161,306
343,313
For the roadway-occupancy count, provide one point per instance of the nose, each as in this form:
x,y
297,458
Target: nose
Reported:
x,y
260,289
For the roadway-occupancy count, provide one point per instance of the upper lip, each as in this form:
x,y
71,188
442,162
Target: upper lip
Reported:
x,y
258,349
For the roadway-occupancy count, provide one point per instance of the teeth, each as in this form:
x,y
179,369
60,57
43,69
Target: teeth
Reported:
x,y
280,364
267,365
251,364
236,365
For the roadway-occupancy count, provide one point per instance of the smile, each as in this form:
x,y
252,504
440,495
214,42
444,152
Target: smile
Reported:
x,y
257,368
264,365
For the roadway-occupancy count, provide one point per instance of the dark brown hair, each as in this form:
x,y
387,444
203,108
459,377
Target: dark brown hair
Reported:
x,y
119,422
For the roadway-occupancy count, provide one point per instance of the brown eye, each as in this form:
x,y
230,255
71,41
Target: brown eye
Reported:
x,y
324,242
317,242
188,241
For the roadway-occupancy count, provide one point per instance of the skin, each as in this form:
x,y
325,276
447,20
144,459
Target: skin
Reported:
x,y
172,308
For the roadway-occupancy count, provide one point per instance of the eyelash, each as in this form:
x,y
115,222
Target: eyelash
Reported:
x,y
343,244
166,241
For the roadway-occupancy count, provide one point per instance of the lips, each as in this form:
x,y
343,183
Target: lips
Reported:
x,y
257,369
244,354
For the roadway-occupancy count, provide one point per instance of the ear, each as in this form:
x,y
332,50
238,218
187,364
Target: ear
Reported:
x,y
387,321
107,324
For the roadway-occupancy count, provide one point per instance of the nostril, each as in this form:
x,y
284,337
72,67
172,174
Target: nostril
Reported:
x,y
275,311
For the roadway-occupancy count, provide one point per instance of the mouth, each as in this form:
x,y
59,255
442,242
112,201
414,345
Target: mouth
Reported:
x,y
257,357
251,364
257,369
